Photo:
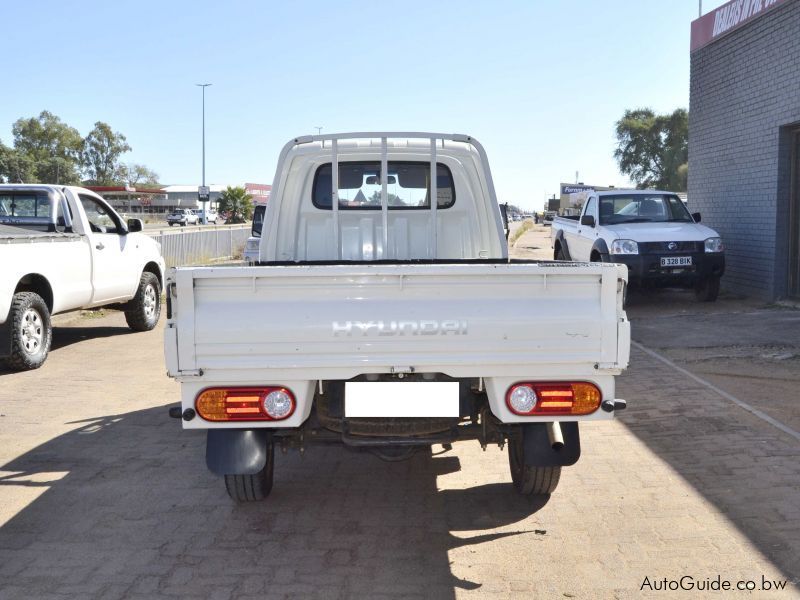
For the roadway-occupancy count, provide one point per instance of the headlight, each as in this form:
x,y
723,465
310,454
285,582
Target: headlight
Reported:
x,y
714,245
624,247
252,245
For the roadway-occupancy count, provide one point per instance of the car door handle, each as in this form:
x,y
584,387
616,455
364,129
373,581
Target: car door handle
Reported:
x,y
100,246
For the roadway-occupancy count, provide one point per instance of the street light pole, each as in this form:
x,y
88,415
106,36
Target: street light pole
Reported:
x,y
204,86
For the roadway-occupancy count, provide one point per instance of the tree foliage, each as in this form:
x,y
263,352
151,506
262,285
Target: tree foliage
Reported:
x,y
236,203
47,150
15,167
102,149
134,174
653,150
52,147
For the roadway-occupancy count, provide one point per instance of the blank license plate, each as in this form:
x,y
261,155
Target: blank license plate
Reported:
x,y
676,261
401,399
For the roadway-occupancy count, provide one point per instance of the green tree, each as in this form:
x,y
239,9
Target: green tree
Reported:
x,y
391,199
15,167
653,150
134,174
236,203
52,147
100,156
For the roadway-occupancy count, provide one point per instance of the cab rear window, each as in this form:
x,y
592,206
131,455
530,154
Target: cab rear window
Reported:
x,y
407,184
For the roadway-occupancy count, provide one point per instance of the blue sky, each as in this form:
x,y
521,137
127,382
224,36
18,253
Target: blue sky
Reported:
x,y
539,83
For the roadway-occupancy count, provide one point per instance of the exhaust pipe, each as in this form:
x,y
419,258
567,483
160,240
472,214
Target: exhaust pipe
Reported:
x,y
555,435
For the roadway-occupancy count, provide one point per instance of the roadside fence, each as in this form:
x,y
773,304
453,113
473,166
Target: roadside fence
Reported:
x,y
194,247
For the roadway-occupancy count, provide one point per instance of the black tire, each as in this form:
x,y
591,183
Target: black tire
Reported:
x,y
171,224
30,330
530,480
707,290
143,311
183,224
560,254
251,488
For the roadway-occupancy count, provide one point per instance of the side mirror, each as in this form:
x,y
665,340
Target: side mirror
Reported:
x,y
135,225
587,220
504,216
696,217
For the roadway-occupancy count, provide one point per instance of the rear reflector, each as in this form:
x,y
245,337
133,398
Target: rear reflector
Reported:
x,y
555,398
245,404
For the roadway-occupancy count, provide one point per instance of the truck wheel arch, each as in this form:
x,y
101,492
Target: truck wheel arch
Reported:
x,y
561,244
155,270
601,248
38,284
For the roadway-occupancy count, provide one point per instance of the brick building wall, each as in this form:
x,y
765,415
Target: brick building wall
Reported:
x,y
744,102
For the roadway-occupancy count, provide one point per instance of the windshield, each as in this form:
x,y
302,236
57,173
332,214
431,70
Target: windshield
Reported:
x,y
642,208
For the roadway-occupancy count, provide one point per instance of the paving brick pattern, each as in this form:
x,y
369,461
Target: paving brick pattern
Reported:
x,y
103,496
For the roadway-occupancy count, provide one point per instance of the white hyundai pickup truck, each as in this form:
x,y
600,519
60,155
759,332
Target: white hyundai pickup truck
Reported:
x,y
64,248
650,232
380,320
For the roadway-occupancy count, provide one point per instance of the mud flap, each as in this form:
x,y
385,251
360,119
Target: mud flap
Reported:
x,y
237,451
539,452
5,338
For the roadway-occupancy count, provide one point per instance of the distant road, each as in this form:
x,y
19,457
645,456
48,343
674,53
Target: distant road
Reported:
x,y
153,227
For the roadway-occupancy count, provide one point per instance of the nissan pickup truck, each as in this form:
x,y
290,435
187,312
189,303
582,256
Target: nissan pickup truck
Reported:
x,y
384,314
650,232
64,248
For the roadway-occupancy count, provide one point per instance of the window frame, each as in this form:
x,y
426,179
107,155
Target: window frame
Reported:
x,y
379,207
120,227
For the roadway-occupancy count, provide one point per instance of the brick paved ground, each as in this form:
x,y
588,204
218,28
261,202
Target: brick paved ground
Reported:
x,y
103,496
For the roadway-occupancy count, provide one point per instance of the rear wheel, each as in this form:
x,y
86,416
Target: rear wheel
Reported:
x,y
707,290
530,480
560,254
250,488
31,332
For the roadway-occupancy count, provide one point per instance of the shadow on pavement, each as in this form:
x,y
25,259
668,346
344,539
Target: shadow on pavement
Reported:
x,y
66,336
138,513
745,467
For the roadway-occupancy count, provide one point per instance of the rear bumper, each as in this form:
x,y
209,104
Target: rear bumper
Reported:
x,y
647,268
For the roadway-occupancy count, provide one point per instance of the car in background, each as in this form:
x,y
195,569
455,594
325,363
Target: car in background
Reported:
x,y
211,216
183,217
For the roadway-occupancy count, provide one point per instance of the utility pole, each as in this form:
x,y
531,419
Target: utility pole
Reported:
x,y
203,190
700,8
319,130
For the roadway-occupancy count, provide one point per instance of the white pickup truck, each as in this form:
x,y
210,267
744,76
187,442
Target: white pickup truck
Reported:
x,y
64,248
650,232
378,319
184,217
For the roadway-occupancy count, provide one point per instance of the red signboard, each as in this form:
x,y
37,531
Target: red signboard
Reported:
x,y
727,18
259,191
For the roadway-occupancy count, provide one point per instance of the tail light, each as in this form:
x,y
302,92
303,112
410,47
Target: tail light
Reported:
x,y
245,404
545,398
